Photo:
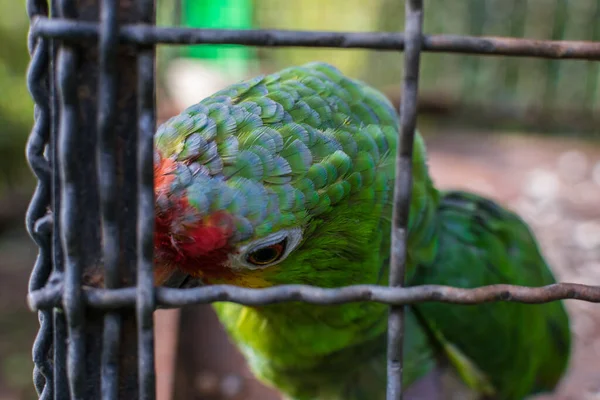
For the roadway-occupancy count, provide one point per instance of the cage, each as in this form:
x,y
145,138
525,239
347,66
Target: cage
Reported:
x,y
92,78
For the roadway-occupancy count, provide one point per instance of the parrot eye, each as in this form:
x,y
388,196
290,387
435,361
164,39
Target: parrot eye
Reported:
x,y
267,254
267,250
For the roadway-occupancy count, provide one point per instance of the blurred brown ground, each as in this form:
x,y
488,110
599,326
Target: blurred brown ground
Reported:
x,y
552,183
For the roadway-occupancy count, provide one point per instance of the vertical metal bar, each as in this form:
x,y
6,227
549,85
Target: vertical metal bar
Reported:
x,y
61,382
106,159
125,74
38,83
402,190
68,146
145,302
99,95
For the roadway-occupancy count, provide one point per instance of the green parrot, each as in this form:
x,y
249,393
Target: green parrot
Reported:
x,y
288,179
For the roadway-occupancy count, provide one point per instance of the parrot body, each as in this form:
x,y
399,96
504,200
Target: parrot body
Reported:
x,y
288,179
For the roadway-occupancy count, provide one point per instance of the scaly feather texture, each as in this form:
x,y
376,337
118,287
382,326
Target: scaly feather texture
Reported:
x,y
288,178
521,349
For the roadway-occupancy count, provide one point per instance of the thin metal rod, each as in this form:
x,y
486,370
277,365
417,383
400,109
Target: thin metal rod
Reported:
x,y
104,299
61,381
60,330
38,85
106,161
146,35
402,192
70,211
145,298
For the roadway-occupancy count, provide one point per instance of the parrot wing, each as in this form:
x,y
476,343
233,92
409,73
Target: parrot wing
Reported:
x,y
501,348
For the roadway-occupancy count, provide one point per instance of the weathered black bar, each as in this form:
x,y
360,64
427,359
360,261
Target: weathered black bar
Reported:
x,y
60,330
402,192
126,149
493,46
85,196
42,370
70,210
145,299
104,299
38,85
61,381
106,161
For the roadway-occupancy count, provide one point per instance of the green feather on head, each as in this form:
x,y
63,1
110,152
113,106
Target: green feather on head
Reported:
x,y
286,137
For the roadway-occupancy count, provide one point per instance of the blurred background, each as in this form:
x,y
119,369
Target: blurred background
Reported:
x,y
522,131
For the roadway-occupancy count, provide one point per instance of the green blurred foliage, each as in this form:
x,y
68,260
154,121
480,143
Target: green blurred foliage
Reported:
x,y
320,16
521,82
17,323
520,92
16,106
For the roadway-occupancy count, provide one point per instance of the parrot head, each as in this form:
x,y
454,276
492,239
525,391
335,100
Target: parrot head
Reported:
x,y
216,244
247,176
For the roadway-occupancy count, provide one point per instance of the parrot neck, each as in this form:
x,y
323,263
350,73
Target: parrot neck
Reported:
x,y
289,346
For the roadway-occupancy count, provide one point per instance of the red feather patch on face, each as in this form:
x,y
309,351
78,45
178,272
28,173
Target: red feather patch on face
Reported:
x,y
200,249
212,234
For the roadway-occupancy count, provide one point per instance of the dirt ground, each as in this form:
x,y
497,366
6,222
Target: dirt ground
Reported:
x,y
552,183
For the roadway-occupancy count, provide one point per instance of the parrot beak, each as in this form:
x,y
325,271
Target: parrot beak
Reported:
x,y
174,278
165,276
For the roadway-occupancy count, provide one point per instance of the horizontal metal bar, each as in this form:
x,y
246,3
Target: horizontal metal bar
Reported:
x,y
147,35
106,299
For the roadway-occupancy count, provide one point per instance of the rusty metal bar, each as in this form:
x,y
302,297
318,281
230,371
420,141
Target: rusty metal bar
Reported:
x,y
98,117
104,299
71,208
145,299
413,29
106,159
38,83
493,46
60,329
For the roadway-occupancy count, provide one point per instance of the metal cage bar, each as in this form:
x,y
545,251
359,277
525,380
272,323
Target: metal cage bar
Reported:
x,y
70,208
145,300
413,28
124,175
106,161
147,35
105,299
36,221
93,96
